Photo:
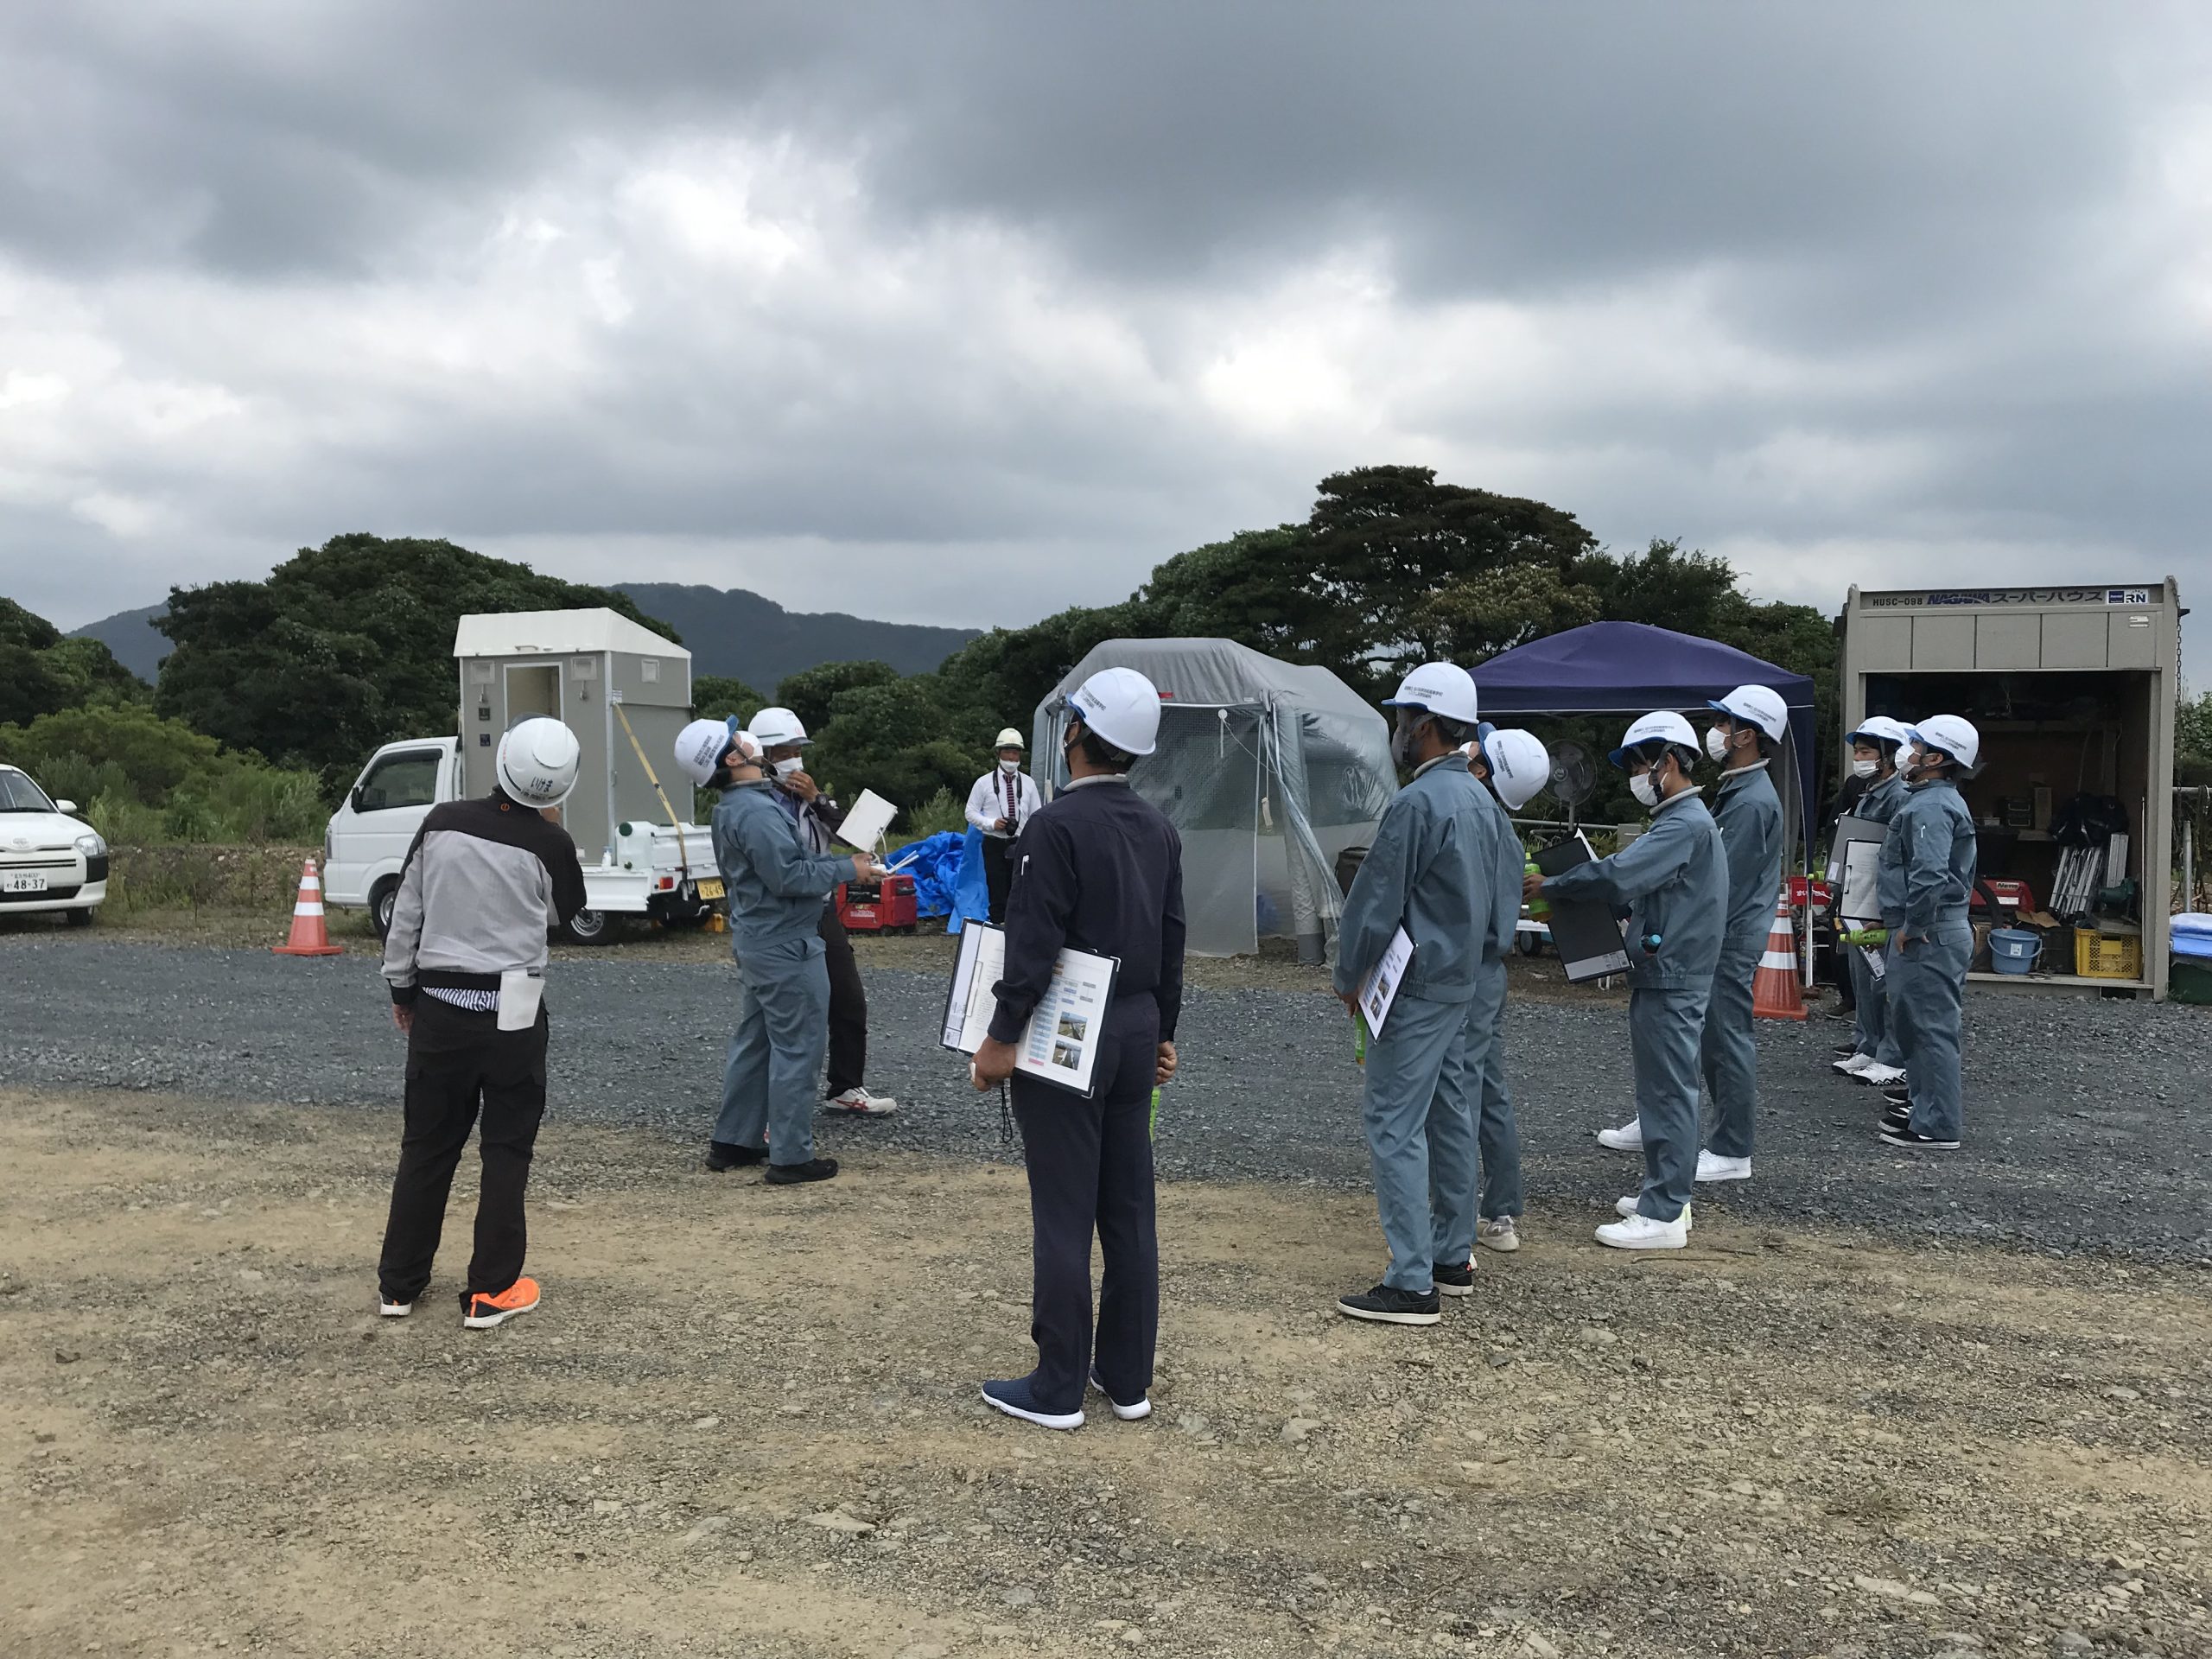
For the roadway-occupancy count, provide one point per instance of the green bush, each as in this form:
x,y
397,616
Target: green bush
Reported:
x,y
140,779
938,814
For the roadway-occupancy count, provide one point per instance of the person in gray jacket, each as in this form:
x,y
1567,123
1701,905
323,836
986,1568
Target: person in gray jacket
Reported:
x,y
775,887
1671,884
1928,863
1434,871
1874,1055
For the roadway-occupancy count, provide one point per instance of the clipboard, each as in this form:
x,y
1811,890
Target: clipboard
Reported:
x,y
1380,989
1854,860
1059,1046
1584,931
865,823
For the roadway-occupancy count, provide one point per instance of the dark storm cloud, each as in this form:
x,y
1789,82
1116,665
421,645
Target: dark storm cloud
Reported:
x,y
1925,273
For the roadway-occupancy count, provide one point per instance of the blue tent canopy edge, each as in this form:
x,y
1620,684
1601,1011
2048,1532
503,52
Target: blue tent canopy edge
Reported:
x,y
1631,667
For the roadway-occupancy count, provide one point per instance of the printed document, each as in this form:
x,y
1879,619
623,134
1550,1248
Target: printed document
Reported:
x,y
1060,1043
1379,989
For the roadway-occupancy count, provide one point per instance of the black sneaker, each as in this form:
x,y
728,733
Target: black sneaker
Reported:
x,y
1898,1096
1845,1051
1897,1116
1389,1305
813,1169
1906,1137
1455,1281
729,1154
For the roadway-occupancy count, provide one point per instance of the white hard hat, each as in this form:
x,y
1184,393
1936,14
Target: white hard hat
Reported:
x,y
1009,739
1881,728
1761,706
1955,736
1122,706
700,747
1519,765
537,762
778,728
1443,688
1664,726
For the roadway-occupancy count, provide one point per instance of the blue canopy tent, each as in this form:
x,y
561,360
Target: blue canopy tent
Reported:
x,y
1631,669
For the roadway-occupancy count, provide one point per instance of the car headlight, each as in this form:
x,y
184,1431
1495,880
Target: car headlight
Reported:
x,y
91,847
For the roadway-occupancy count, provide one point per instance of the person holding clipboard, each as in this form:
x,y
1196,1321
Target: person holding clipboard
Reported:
x,y
1097,869
1671,883
1435,874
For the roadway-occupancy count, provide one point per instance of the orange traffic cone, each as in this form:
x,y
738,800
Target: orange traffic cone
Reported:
x,y
309,937
1773,987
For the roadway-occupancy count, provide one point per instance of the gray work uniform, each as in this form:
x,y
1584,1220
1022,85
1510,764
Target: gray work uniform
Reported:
x,y
776,887
1871,996
1497,1139
1929,858
1748,814
1671,882
1433,871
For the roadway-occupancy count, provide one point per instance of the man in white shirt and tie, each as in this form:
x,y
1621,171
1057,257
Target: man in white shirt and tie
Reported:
x,y
1004,800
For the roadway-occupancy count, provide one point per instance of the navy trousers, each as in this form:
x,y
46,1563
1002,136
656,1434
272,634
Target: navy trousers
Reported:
x,y
1090,1172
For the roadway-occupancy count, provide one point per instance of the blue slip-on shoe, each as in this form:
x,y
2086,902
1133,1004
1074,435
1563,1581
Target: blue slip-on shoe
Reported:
x,y
1015,1397
1135,1414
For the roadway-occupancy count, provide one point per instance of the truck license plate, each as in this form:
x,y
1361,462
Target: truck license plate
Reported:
x,y
708,889
21,882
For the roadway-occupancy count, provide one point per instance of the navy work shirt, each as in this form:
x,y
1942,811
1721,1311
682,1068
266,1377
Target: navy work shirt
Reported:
x,y
1098,868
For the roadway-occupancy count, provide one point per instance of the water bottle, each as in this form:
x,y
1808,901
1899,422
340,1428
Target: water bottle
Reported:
x,y
1539,907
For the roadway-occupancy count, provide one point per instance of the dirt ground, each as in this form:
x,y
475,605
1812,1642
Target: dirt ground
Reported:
x,y
744,1422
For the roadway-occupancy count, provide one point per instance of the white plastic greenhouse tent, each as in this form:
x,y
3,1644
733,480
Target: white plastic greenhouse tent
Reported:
x,y
1269,770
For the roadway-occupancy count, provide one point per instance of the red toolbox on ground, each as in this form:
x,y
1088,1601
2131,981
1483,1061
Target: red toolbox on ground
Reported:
x,y
2010,895
884,906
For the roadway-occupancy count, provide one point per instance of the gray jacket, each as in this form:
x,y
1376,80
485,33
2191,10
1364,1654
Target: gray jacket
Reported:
x,y
1671,881
1749,813
1432,870
1930,860
775,886
484,883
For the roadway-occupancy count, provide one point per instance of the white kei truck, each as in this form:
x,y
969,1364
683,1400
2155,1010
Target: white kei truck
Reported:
x,y
625,691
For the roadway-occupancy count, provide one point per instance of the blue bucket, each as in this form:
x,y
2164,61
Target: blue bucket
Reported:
x,y
2013,949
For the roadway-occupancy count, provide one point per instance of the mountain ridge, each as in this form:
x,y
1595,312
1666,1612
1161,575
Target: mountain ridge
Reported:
x,y
731,631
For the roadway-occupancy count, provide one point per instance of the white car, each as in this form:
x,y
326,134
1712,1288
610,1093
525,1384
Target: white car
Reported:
x,y
49,860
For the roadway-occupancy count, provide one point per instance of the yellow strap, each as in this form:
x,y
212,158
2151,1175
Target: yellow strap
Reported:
x,y
682,855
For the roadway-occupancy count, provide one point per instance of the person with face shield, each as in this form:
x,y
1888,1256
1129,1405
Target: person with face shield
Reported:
x,y
1437,870
1928,868
1003,799
776,884
783,740
1512,766
1099,869
1873,1055
1671,885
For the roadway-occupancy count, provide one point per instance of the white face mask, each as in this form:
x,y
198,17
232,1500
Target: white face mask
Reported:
x,y
1716,743
785,768
1865,768
1009,766
1645,787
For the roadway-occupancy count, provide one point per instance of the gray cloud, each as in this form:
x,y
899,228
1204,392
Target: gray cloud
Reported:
x,y
965,312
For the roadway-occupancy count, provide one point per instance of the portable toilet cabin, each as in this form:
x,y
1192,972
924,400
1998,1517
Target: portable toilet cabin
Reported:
x,y
622,689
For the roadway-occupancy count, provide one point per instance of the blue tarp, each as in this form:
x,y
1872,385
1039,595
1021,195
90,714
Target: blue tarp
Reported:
x,y
948,872
1632,668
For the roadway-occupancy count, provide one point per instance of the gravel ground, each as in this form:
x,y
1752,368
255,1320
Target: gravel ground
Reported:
x,y
2087,1123
744,1425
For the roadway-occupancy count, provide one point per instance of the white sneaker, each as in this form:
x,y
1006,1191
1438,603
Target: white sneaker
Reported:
x,y
1627,1138
861,1104
1498,1233
1879,1074
1854,1065
1626,1207
393,1310
1711,1167
1641,1233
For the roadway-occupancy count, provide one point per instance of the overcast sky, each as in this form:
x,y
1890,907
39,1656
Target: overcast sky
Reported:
x,y
963,312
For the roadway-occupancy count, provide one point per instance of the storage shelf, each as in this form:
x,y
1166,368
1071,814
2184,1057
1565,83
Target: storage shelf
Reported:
x,y
2071,982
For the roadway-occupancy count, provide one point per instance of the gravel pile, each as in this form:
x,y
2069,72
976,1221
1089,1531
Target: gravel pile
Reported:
x,y
2086,1122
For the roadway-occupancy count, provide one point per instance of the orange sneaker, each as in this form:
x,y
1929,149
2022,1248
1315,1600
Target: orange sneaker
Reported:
x,y
481,1313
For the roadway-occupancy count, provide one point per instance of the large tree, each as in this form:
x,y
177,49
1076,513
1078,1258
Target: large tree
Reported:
x,y
44,672
343,646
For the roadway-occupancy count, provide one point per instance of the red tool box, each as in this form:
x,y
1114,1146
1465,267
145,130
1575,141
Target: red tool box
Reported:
x,y
888,906
2010,895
